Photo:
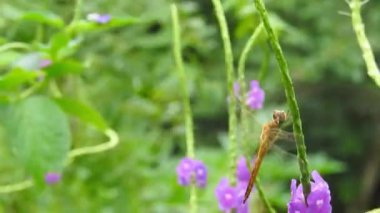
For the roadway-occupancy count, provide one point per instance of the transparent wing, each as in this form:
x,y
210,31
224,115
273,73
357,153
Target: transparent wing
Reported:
x,y
250,142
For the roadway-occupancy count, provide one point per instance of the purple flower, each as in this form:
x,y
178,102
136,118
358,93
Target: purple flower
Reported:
x,y
44,63
200,171
255,96
189,168
230,197
242,172
52,177
318,200
99,18
226,195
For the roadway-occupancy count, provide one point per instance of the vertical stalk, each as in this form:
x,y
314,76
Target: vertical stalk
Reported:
x,y
291,98
183,82
77,13
241,78
244,54
228,57
264,66
244,109
357,23
185,100
263,197
77,10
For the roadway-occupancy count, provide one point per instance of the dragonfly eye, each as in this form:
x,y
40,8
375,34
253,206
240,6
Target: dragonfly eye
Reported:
x,y
279,116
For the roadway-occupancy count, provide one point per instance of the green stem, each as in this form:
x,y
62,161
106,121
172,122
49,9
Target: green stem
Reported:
x,y
264,66
244,54
291,99
77,10
55,89
111,143
244,112
232,119
357,23
14,45
244,109
183,82
185,99
263,197
32,89
16,186
77,14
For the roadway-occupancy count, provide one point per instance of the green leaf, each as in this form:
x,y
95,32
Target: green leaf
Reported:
x,y
17,77
8,57
84,112
58,42
89,26
64,67
40,135
44,18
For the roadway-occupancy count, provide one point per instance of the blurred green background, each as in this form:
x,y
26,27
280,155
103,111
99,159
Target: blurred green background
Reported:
x,y
130,78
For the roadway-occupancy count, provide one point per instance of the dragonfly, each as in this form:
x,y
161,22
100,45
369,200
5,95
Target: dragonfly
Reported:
x,y
270,132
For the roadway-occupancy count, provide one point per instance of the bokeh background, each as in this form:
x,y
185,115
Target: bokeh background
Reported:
x,y
130,78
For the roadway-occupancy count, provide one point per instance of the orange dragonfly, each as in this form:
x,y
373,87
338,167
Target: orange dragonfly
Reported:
x,y
270,132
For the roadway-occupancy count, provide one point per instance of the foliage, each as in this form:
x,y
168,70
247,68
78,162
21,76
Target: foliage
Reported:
x,y
121,75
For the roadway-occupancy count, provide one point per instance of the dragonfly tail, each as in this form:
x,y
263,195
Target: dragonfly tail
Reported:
x,y
254,173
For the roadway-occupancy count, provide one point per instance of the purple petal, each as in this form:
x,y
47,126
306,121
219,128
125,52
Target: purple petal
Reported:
x,y
297,207
99,18
254,84
242,172
255,96
184,171
226,195
240,188
52,177
318,200
44,63
223,183
200,173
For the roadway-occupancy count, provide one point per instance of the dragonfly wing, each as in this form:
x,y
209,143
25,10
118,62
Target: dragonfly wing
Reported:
x,y
283,135
284,140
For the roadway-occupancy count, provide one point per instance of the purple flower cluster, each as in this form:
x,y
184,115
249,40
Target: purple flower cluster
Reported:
x,y
254,97
318,201
99,18
52,177
231,197
189,169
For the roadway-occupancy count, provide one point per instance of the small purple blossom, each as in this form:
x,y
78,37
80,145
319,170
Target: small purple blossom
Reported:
x,y
242,172
255,96
230,197
189,168
318,200
52,177
226,195
200,171
44,63
99,18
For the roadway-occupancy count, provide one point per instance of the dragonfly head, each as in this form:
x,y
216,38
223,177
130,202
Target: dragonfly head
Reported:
x,y
279,116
